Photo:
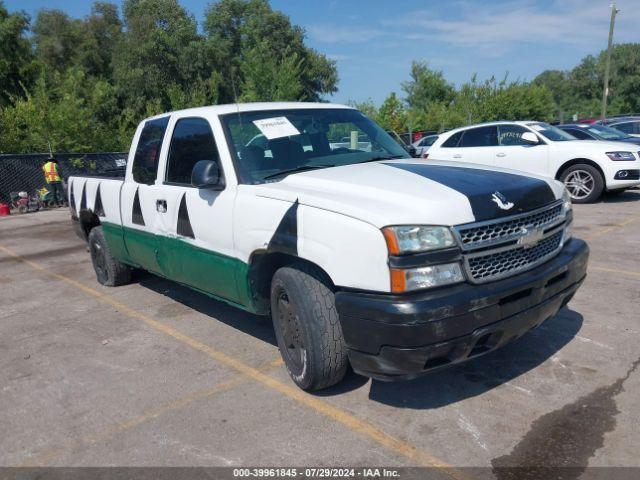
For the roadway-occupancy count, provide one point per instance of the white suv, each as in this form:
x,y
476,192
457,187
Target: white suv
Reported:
x,y
586,167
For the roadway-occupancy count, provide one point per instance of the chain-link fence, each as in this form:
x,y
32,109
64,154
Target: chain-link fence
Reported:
x,y
23,172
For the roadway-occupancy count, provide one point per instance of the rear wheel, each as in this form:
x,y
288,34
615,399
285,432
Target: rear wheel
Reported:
x,y
307,328
109,271
584,183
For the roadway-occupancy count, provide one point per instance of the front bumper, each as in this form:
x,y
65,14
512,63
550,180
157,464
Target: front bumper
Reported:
x,y
403,336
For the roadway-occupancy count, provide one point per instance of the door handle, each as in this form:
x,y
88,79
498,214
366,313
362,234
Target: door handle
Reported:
x,y
501,154
457,155
161,206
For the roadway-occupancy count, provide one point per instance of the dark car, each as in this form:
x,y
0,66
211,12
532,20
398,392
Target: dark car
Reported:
x,y
626,124
584,131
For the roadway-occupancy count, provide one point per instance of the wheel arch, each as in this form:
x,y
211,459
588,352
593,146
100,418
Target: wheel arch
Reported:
x,y
578,161
87,220
263,265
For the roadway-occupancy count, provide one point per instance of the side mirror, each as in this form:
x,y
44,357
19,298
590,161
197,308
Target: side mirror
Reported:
x,y
530,138
206,174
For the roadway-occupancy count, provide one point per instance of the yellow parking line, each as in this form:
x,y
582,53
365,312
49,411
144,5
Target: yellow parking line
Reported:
x,y
611,228
148,415
347,419
615,270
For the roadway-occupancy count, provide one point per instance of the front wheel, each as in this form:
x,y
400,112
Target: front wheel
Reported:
x,y
584,183
109,271
307,328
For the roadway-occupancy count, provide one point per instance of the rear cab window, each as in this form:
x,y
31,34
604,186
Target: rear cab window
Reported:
x,y
145,160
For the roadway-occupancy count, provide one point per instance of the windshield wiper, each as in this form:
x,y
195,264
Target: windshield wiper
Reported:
x,y
301,168
383,157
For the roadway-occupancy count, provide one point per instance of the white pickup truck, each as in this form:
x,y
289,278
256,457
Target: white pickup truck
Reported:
x,y
369,257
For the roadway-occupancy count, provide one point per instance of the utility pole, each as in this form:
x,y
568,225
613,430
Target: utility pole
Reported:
x,y
605,92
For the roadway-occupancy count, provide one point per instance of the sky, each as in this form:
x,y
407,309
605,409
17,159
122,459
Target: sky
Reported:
x,y
374,41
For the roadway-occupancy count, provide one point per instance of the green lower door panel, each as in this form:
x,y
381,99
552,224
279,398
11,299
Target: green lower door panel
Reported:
x,y
218,275
142,247
203,269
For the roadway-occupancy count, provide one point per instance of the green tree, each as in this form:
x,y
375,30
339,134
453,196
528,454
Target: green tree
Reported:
x,y
579,91
489,100
265,79
239,30
101,35
16,61
62,113
392,114
159,57
625,77
57,39
426,86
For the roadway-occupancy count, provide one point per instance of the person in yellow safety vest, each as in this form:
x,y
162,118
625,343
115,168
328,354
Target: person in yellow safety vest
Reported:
x,y
54,180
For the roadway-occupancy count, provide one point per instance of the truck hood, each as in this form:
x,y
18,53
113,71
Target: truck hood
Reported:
x,y
408,191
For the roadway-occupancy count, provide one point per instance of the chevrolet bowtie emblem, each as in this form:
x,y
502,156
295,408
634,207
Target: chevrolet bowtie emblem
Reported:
x,y
530,236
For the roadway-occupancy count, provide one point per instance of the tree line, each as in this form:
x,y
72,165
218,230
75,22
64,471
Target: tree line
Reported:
x,y
81,85
84,84
432,103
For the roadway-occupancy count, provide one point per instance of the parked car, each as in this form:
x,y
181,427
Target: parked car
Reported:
x,y
587,168
422,145
400,139
584,131
628,125
394,265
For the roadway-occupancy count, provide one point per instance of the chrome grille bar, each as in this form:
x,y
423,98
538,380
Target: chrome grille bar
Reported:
x,y
501,248
494,232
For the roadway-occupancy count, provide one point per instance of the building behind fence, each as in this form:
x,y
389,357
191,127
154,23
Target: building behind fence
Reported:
x,y
23,172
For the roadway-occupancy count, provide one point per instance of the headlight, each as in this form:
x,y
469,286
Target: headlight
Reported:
x,y
566,200
415,238
409,279
620,156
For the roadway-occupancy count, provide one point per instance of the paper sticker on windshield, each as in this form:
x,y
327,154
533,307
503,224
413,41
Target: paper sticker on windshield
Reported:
x,y
276,127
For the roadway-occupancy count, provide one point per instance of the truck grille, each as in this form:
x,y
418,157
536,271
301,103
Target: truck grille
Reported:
x,y
484,234
499,248
496,265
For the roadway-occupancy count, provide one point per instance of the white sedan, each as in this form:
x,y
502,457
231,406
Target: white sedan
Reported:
x,y
586,167
422,145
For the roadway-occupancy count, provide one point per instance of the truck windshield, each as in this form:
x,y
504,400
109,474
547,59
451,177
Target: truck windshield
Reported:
x,y
268,145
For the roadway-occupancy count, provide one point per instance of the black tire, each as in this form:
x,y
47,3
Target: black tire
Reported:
x,y
592,187
109,271
307,328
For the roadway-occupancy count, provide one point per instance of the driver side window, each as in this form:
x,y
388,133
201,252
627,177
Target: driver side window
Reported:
x,y
192,141
511,135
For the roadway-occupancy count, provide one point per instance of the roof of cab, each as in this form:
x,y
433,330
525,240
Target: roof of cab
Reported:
x,y
249,107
